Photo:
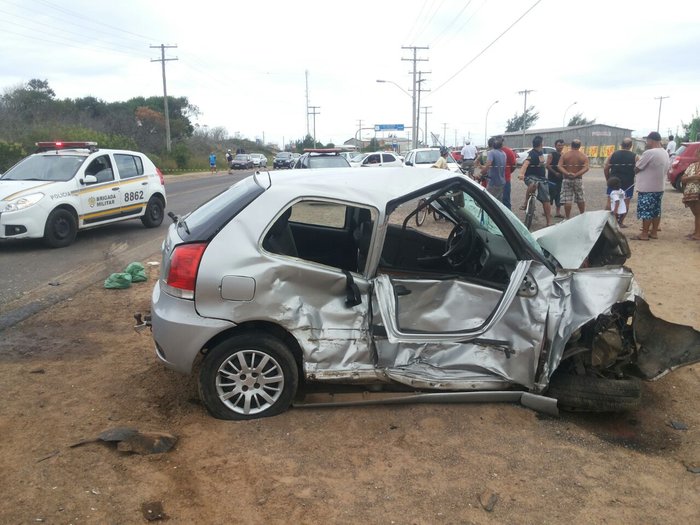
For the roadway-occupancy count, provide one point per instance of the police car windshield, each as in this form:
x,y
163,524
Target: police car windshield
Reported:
x,y
54,168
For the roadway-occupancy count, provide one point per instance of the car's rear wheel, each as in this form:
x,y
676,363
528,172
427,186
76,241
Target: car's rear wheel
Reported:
x,y
154,213
595,394
61,228
248,376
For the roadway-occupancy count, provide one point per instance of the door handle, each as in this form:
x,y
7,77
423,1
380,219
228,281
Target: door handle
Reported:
x,y
115,189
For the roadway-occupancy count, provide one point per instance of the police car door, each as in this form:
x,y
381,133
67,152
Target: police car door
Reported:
x,y
133,183
100,201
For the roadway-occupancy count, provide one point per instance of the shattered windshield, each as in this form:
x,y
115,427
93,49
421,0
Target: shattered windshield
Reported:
x,y
46,167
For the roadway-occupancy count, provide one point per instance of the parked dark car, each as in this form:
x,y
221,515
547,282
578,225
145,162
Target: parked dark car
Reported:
x,y
242,162
684,157
284,159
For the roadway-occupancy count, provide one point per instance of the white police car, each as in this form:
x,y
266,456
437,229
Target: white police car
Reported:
x,y
71,186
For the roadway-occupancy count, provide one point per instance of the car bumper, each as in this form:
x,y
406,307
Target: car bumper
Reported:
x,y
179,332
22,224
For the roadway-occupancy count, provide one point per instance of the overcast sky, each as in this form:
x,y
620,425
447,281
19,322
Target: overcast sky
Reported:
x,y
243,63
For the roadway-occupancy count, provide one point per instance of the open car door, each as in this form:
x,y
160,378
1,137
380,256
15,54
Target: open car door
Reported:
x,y
465,315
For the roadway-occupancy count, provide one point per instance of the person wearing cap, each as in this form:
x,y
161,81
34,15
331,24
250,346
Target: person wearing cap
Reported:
x,y
650,172
469,153
572,165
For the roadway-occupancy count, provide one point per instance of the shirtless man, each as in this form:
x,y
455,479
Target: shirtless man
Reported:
x,y
572,165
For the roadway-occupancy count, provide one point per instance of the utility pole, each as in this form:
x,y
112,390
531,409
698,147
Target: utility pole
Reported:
x,y
444,133
425,118
314,113
306,73
162,60
415,59
524,92
359,130
420,80
658,121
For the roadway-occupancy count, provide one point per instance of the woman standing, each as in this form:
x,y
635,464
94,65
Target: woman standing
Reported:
x,y
691,194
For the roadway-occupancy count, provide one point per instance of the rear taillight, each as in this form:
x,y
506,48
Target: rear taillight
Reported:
x,y
182,271
160,176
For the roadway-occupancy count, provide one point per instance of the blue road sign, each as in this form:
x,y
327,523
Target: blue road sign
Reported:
x,y
388,127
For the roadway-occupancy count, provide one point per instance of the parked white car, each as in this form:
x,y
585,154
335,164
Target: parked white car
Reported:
x,y
377,159
522,155
426,157
259,160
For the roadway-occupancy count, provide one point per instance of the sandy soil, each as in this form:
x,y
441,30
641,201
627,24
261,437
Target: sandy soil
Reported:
x,y
78,368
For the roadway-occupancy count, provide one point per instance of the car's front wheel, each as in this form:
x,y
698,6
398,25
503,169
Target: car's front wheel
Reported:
x,y
595,394
61,228
248,376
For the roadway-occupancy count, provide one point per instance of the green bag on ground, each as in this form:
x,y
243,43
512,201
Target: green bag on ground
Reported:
x,y
137,272
118,280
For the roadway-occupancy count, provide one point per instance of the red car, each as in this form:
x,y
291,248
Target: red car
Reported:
x,y
684,156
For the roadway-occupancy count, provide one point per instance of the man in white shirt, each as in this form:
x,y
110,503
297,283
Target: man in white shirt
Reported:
x,y
671,146
469,153
649,182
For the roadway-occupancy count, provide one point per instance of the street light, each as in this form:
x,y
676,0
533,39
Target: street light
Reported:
x,y
563,120
486,121
413,105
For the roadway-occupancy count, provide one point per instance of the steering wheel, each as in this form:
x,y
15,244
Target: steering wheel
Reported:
x,y
460,244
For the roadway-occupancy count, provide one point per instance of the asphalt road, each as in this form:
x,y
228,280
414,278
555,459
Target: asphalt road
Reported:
x,y
33,275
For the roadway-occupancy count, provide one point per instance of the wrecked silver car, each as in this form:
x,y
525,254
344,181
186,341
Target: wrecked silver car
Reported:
x,y
322,276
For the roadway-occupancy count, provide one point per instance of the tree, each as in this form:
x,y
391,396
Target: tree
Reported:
x,y
691,131
579,120
523,121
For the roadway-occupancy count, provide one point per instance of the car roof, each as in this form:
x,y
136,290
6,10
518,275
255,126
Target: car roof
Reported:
x,y
363,187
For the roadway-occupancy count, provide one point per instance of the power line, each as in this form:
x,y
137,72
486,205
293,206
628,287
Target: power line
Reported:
x,y
443,32
427,23
488,46
415,21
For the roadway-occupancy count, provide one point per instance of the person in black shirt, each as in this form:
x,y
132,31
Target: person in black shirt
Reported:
x,y
533,171
555,176
621,165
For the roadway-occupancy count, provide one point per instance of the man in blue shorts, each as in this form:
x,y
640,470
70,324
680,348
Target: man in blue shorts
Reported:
x,y
621,165
651,169
533,172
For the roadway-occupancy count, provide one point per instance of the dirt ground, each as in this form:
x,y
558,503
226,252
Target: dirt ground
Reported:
x,y
79,368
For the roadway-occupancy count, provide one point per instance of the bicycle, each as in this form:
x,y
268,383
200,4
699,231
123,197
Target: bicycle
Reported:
x,y
531,204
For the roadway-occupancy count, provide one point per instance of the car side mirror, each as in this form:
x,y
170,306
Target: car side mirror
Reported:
x,y
408,163
88,179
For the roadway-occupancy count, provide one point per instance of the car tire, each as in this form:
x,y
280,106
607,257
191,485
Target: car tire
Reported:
x,y
677,182
231,378
61,228
595,394
153,217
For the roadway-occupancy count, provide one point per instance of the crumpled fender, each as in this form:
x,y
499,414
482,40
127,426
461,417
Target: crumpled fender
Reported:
x,y
662,346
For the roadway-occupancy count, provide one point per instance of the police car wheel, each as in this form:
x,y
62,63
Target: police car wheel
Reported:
x,y
154,213
61,228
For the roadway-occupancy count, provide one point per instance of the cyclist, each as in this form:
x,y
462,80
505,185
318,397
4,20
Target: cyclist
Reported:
x,y
533,172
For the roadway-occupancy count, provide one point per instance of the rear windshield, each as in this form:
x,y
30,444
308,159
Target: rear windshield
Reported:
x,y
327,162
45,167
207,220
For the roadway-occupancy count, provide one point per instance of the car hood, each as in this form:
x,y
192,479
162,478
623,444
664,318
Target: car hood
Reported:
x,y
589,239
13,188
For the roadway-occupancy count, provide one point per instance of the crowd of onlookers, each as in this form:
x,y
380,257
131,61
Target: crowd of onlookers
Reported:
x,y
557,179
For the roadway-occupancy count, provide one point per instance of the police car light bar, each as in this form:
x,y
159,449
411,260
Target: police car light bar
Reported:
x,y
61,144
